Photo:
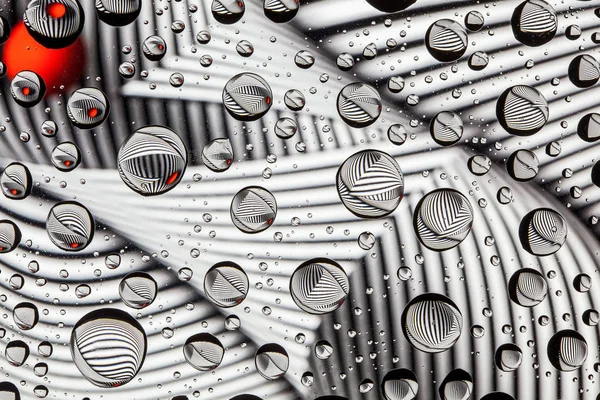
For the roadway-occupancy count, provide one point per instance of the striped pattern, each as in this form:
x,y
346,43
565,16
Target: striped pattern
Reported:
x,y
50,31
70,226
522,110
281,11
584,71
446,128
218,155
108,347
319,286
400,384
87,108
370,184
203,351
527,287
543,231
359,104
523,165
272,361
152,160
534,22
138,290
66,156
443,219
27,88
247,96
16,181
432,323
228,11
457,385
226,284
567,350
253,209
446,40
10,236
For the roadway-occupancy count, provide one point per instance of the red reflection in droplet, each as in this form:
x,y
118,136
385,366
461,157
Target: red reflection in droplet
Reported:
x,y
56,10
92,112
172,178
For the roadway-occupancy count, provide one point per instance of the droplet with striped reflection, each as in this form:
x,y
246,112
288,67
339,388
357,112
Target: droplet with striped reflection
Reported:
x,y
527,287
319,286
87,108
391,6
108,347
70,226
272,361
359,104
16,181
522,110
446,40
584,71
138,290
226,284
217,155
446,128
281,10
152,160
432,322
370,184
567,350
247,97
118,12
253,209
534,23
154,48
26,315
457,385
66,156
54,23
542,232
10,236
400,384
522,165
4,30
203,351
16,352
443,219
8,391
508,357
27,88
228,11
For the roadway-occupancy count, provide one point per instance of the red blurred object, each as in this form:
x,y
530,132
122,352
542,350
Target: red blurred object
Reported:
x,y
56,66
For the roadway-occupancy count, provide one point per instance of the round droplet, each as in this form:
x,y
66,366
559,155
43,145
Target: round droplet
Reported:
x,y
591,317
370,51
10,236
66,156
16,282
247,97
345,62
527,287
534,23
152,160
474,21
45,349
82,291
359,104
304,59
118,13
400,384
228,11
217,155
285,128
397,134
523,165
542,232
395,84
253,209
573,32
432,323
271,361
443,219
112,261
584,71
203,37
478,60
26,316
16,181
138,290
4,30
294,100
203,351
108,347
458,385
226,284
366,240
244,48
54,23
176,79
49,128
446,128
232,323
319,286
127,70
40,369
567,350
446,40
281,11
70,226
391,6
370,184
154,48
522,110
307,379
16,353
588,127
27,88
479,165
87,108
323,349
582,283
508,357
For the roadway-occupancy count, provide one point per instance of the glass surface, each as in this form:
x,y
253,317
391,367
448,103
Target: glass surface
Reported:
x,y
292,199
